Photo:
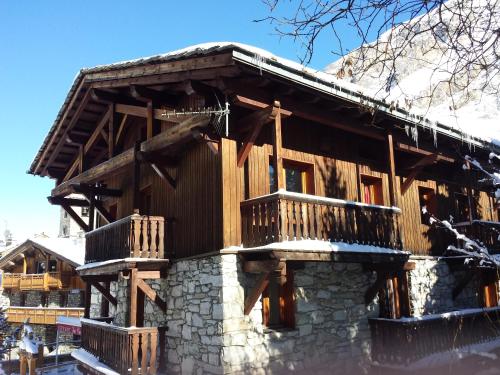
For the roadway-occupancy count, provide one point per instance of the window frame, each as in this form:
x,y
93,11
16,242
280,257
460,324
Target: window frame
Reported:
x,y
377,182
286,301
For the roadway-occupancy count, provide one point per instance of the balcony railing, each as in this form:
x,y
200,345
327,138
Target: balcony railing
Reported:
x,y
487,232
285,216
41,315
125,350
134,236
41,281
403,341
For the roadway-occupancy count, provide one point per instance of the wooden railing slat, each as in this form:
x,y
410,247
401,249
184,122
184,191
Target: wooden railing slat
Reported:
x,y
281,217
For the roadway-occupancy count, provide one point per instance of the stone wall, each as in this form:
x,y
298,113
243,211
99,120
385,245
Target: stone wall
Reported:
x,y
33,299
119,290
431,287
208,332
76,298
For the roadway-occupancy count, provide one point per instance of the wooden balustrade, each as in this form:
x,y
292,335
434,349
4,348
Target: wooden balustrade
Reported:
x,y
134,236
41,315
285,216
41,281
487,232
126,350
403,341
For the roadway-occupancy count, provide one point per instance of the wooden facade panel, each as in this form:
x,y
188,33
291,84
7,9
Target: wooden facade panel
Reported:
x,y
191,210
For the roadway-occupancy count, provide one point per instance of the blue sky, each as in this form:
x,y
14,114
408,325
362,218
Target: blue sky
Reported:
x,y
45,43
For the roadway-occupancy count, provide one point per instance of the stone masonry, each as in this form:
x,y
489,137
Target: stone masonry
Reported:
x,y
208,332
431,288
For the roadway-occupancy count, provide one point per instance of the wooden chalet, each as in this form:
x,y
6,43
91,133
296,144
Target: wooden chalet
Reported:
x,y
226,149
40,282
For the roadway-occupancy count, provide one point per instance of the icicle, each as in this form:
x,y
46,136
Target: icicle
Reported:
x,y
414,134
258,60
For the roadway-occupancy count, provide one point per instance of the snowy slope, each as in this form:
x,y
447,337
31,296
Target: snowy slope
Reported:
x,y
425,66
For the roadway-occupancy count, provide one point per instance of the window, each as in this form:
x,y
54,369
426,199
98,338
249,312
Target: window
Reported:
x,y
52,265
371,190
298,177
40,267
278,304
85,212
394,297
461,208
427,198
63,299
490,295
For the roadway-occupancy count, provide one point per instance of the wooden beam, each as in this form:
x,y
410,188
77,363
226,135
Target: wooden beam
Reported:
x,y
174,134
391,169
409,180
415,150
94,174
76,217
97,131
88,296
256,292
120,129
68,201
164,174
136,179
277,158
149,120
96,190
71,171
133,297
212,144
111,131
249,103
62,139
260,266
145,94
105,293
103,212
424,161
152,295
257,121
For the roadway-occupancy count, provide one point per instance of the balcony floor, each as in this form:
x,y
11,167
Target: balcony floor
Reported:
x,y
114,266
318,250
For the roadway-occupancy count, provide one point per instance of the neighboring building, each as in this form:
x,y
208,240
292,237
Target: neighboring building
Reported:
x,y
39,283
289,238
68,227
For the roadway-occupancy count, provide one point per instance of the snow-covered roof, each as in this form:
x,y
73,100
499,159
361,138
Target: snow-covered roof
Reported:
x,y
263,60
71,250
69,321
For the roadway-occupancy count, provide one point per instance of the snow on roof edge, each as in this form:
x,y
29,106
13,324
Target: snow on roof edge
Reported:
x,y
258,55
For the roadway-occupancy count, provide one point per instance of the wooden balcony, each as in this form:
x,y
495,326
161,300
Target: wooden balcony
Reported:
x,y
404,341
285,216
487,232
134,236
125,350
42,281
41,315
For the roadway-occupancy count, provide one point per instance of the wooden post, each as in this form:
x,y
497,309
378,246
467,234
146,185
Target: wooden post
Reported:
x,y
25,265
133,297
470,198
22,364
274,300
391,172
104,301
136,178
149,120
111,131
81,159
277,150
88,297
91,212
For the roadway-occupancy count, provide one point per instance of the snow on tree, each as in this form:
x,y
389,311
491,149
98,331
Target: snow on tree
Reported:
x,y
439,59
476,253
491,173
7,335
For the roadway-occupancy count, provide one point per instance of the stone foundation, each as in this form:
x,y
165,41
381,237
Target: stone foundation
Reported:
x,y
431,288
208,332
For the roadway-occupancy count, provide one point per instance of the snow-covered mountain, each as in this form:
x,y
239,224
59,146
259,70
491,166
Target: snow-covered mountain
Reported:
x,y
419,80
